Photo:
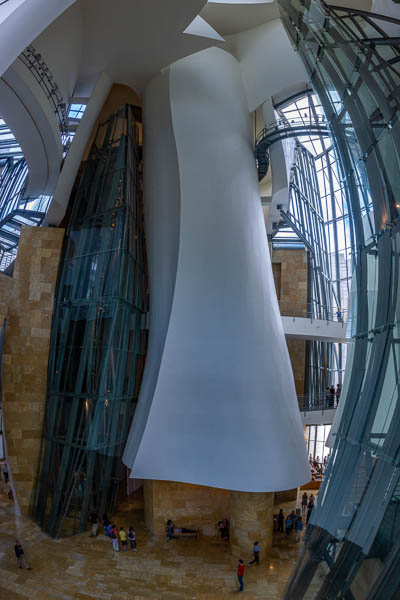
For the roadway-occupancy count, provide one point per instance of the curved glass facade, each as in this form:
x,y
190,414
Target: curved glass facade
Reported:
x,y
352,545
98,337
318,213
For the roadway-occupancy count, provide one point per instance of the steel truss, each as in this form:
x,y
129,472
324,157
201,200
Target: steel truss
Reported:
x,y
98,338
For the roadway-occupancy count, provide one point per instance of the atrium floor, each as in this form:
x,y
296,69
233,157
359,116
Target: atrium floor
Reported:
x,y
86,568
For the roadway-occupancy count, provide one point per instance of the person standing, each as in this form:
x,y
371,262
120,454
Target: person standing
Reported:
x,y
256,554
106,524
132,538
292,517
5,472
299,527
114,538
310,507
288,523
304,502
94,520
19,553
338,392
170,530
280,520
122,537
240,574
332,393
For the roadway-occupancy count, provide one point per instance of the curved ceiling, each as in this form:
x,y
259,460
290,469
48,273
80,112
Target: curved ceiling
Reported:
x,y
234,18
137,38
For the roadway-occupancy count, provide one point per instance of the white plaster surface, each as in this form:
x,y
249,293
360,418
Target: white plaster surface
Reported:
x,y
315,329
21,21
224,397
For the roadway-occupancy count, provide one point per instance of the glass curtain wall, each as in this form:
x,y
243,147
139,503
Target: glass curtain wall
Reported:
x,y
318,212
98,338
352,547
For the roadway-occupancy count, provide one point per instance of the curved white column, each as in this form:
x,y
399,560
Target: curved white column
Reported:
x,y
217,405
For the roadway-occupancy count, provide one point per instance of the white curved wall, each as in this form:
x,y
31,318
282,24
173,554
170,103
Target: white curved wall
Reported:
x,y
31,118
268,61
224,410
21,22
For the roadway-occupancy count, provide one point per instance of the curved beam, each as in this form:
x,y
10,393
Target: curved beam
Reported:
x,y
282,130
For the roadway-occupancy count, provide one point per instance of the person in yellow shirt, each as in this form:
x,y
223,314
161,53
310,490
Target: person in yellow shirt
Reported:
x,y
122,537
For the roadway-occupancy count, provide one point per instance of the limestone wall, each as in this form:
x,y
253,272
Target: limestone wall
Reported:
x,y
290,276
187,505
26,350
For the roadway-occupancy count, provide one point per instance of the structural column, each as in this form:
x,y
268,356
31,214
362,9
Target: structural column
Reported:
x,y
251,521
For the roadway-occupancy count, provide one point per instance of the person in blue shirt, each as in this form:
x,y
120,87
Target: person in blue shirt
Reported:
x,y
256,554
299,527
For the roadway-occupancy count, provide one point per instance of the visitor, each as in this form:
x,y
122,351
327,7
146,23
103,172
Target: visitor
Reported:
x,y
339,316
309,511
280,520
122,537
310,507
292,517
170,530
304,502
132,538
256,554
106,523
5,472
240,573
299,527
114,538
332,392
94,520
338,392
223,528
288,522
19,553
108,530
328,395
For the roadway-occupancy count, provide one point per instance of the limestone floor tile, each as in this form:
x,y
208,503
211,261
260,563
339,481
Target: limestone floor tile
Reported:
x,y
86,568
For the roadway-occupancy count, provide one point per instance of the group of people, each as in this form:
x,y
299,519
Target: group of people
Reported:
x,y
317,465
333,393
117,537
292,523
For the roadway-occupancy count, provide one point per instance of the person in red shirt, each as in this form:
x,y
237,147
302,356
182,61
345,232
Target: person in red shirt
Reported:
x,y
240,573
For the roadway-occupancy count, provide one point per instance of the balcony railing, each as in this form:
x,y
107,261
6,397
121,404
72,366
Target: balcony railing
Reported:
x,y
34,62
325,401
314,311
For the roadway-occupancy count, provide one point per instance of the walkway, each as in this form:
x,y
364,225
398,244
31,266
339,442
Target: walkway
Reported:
x,y
283,129
311,322
87,568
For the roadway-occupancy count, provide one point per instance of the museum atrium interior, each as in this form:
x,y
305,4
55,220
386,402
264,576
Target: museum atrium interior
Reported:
x,y
199,268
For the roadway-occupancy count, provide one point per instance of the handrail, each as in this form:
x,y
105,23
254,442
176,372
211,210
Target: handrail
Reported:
x,y
314,311
35,63
312,402
281,129
284,124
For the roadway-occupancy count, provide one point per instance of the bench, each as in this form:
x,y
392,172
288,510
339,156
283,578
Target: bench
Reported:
x,y
181,534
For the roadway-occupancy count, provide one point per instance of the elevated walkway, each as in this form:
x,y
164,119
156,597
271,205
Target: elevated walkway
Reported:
x,y
317,409
311,322
283,129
